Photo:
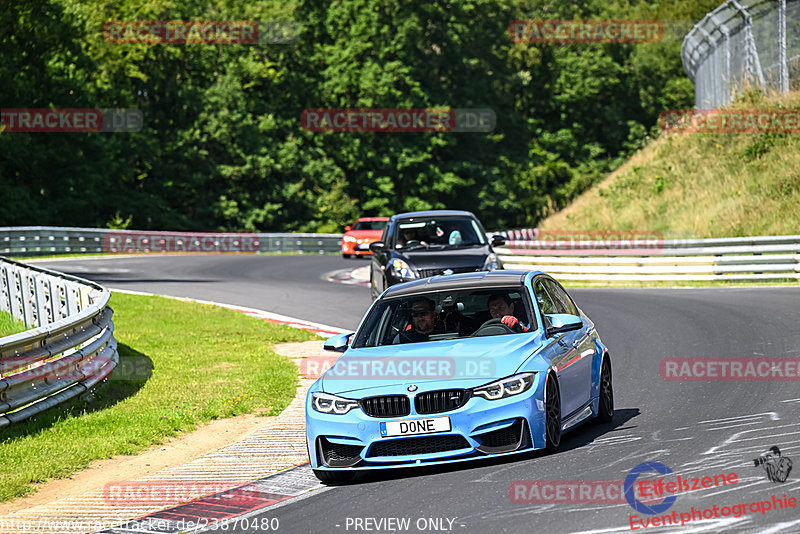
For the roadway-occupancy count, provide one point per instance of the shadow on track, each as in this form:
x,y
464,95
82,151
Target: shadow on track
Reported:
x,y
581,436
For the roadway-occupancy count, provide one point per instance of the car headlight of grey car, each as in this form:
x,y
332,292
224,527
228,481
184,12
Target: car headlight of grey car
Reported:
x,y
491,262
402,269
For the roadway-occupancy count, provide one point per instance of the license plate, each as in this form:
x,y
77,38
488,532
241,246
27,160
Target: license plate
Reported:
x,y
362,246
415,426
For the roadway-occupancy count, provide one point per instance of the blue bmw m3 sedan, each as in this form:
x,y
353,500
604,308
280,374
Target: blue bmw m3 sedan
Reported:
x,y
454,368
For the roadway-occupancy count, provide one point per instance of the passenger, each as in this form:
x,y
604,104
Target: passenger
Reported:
x,y
501,307
455,237
423,321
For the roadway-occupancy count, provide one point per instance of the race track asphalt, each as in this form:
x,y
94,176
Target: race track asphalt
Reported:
x,y
700,428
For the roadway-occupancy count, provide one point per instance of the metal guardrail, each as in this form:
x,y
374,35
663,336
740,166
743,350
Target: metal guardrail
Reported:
x,y
738,258
42,240
69,347
743,43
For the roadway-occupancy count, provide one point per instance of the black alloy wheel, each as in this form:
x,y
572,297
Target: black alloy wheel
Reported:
x,y
552,407
606,401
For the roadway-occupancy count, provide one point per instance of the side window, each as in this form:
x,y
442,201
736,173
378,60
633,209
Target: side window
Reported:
x,y
385,235
543,298
560,298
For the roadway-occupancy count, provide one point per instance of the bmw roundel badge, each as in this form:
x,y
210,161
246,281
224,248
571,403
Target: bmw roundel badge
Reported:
x,y
412,387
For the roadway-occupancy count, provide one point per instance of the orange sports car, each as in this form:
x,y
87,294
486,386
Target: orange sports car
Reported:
x,y
356,238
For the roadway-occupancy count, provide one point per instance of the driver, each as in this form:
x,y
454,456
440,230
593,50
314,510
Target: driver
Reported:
x,y
500,307
408,236
423,321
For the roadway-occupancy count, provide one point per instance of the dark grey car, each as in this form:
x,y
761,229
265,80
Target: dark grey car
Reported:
x,y
428,243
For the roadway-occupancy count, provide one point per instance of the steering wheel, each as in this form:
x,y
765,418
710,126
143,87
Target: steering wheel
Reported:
x,y
492,327
411,243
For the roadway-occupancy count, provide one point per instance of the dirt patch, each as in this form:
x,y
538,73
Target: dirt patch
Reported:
x,y
176,451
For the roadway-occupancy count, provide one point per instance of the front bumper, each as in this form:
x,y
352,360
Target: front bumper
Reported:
x,y
479,429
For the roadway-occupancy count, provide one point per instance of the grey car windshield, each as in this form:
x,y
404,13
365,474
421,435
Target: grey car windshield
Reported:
x,y
437,233
450,314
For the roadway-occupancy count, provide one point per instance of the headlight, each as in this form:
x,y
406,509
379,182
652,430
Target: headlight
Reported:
x,y
349,238
491,262
325,403
506,387
402,269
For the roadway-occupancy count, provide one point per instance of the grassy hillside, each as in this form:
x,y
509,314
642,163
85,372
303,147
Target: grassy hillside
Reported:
x,y
700,185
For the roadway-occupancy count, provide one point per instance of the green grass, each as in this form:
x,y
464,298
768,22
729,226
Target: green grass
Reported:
x,y
700,185
9,325
181,364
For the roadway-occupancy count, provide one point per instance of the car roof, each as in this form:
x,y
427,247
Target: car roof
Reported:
x,y
372,219
432,213
476,280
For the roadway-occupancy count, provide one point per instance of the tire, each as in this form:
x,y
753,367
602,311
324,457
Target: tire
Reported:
x,y
347,256
372,286
605,410
552,411
333,477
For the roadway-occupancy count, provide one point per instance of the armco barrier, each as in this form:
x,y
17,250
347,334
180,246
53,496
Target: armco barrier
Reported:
x,y
69,347
738,258
41,240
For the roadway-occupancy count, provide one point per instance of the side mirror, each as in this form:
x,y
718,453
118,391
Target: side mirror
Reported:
x,y
347,228
561,322
376,246
498,240
338,343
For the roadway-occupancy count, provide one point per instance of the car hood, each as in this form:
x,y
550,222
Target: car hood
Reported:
x,y
443,258
470,361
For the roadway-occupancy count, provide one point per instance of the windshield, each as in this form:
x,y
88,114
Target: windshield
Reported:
x,y
370,225
437,233
450,314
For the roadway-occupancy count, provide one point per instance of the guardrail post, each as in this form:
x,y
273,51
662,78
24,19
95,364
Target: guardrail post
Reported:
x,y
784,67
42,311
26,296
13,295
